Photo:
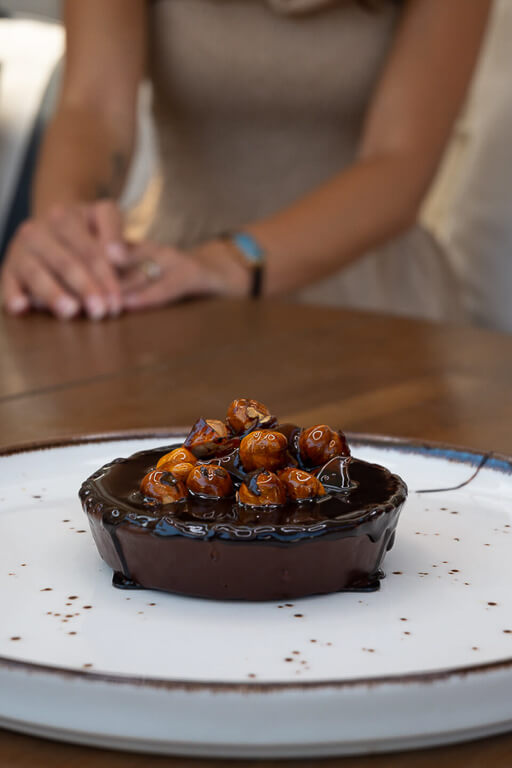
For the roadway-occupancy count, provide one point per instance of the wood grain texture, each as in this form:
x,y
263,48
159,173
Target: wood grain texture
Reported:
x,y
362,372
17,751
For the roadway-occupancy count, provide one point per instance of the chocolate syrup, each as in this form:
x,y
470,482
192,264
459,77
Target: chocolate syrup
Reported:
x,y
218,548
363,507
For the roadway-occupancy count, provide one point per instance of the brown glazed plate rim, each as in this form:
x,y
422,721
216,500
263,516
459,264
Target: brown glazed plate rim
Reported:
x,y
492,460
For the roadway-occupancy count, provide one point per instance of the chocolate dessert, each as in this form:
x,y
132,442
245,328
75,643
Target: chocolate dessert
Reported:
x,y
245,509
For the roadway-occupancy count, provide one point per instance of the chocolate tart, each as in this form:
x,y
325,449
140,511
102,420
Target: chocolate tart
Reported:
x,y
224,550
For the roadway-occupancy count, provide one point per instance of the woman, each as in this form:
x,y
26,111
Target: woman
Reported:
x,y
478,231
311,127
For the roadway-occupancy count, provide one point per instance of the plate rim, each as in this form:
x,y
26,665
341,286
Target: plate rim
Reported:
x,y
494,460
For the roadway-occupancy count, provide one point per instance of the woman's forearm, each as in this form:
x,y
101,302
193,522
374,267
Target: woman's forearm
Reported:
x,y
62,259
81,161
366,205
408,123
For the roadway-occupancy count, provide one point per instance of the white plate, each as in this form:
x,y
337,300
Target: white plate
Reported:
x,y
427,660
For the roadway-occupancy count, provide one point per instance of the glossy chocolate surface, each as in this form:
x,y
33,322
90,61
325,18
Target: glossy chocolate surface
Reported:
x,y
220,549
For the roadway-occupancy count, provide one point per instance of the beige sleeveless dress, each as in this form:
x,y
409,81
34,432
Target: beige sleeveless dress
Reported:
x,y
258,101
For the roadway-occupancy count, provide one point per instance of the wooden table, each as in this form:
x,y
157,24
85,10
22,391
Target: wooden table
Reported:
x,y
363,372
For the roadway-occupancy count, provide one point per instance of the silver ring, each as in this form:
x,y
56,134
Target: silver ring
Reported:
x,y
151,269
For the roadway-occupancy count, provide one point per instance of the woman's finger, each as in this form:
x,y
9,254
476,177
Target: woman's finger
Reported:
x,y
133,280
43,288
107,221
146,270
145,250
66,268
70,225
148,251
171,286
152,263
148,262
154,295
180,276
14,298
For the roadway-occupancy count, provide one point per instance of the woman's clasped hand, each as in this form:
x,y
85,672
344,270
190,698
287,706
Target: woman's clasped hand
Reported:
x,y
74,261
309,130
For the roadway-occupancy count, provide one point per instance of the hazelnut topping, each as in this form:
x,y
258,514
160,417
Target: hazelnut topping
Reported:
x,y
300,485
180,471
210,480
163,486
205,436
264,465
244,415
177,456
264,449
262,489
320,443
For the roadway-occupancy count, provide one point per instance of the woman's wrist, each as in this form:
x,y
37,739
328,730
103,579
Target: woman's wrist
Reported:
x,y
249,252
224,273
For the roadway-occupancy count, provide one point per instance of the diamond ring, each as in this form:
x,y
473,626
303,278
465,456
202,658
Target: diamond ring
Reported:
x,y
151,269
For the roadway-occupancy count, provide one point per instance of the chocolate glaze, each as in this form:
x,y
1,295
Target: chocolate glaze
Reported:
x,y
220,549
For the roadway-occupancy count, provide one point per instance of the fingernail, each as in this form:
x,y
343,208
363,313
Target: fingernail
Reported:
x,y
115,305
18,305
130,300
116,252
95,307
65,306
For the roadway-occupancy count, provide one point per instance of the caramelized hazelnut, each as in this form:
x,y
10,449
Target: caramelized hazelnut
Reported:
x,y
177,456
210,480
319,444
262,489
205,436
180,471
244,414
264,449
300,484
163,486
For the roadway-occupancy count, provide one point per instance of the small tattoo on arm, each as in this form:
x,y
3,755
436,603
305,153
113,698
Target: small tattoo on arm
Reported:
x,y
118,164
102,190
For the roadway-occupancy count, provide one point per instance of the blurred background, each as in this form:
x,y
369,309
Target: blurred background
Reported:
x,y
468,208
